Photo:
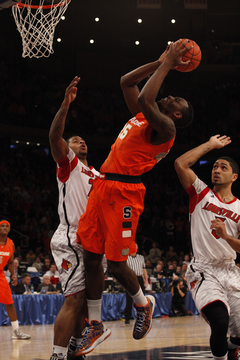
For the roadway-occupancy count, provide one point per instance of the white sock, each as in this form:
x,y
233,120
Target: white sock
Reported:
x,y
221,357
231,346
94,309
139,298
15,325
59,350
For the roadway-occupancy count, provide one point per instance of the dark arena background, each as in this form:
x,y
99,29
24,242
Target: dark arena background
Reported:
x,y
99,41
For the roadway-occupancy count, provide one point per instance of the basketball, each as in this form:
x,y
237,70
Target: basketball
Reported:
x,y
194,55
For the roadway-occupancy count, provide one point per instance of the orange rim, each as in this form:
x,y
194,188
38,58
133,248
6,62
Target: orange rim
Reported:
x,y
21,5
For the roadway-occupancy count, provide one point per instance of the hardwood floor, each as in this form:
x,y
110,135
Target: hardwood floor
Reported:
x,y
170,338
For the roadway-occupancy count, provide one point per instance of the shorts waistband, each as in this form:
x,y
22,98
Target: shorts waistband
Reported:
x,y
123,178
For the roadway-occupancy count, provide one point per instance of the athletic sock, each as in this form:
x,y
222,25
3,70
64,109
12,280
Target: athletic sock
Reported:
x,y
139,298
15,325
59,350
94,309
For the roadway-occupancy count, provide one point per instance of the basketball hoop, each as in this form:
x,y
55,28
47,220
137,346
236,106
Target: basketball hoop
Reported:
x,y
36,24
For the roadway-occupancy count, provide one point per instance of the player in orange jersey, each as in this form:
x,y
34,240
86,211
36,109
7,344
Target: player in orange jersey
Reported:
x,y
117,199
6,258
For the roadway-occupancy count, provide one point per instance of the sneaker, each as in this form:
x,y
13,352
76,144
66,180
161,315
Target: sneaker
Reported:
x,y
127,321
18,335
143,322
234,354
72,347
57,357
93,334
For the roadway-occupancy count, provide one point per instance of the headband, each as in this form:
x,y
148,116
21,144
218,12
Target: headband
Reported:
x,y
5,222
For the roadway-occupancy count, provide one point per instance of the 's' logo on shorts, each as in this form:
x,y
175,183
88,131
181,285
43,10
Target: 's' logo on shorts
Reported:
x,y
66,264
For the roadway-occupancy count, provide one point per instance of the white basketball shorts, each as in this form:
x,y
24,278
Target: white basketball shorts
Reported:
x,y
68,256
213,281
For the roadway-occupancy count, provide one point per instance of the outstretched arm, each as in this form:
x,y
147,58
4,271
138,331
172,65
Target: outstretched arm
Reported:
x,y
130,80
183,163
147,98
58,145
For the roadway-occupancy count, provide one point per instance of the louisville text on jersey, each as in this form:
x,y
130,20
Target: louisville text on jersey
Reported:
x,y
221,211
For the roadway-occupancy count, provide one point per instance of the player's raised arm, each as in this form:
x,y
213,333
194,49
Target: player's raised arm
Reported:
x,y
58,145
162,117
130,80
184,162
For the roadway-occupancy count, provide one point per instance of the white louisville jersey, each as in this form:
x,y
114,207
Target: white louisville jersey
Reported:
x,y
204,206
74,183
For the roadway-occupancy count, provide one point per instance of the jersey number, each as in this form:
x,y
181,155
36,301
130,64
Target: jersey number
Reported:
x,y
124,131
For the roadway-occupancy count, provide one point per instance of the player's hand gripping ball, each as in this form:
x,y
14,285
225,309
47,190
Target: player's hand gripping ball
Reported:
x,y
194,55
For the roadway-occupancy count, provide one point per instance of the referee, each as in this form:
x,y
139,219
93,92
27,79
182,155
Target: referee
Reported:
x,y
137,263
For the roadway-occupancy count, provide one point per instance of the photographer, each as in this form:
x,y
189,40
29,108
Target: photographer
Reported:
x,y
158,274
179,292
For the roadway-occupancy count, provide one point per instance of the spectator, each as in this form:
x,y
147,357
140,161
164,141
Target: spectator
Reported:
x,y
179,292
38,264
158,274
46,287
174,278
178,271
174,264
54,274
31,255
149,268
17,270
154,254
22,264
186,259
171,254
184,268
23,287
168,273
46,265
59,287
29,263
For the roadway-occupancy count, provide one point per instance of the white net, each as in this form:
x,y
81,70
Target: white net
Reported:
x,y
36,25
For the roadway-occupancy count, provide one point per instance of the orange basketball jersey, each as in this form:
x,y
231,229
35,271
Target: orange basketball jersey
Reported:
x,y
132,153
5,253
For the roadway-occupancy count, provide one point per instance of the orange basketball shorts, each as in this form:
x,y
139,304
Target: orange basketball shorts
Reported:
x,y
110,222
5,291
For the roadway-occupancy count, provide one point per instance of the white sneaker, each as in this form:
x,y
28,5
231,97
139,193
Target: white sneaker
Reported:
x,y
19,335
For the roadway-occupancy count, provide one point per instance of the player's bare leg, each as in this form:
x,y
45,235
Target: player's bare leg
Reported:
x,y
17,333
95,331
144,305
69,322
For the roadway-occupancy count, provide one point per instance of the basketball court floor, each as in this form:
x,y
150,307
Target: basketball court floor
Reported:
x,y
170,338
